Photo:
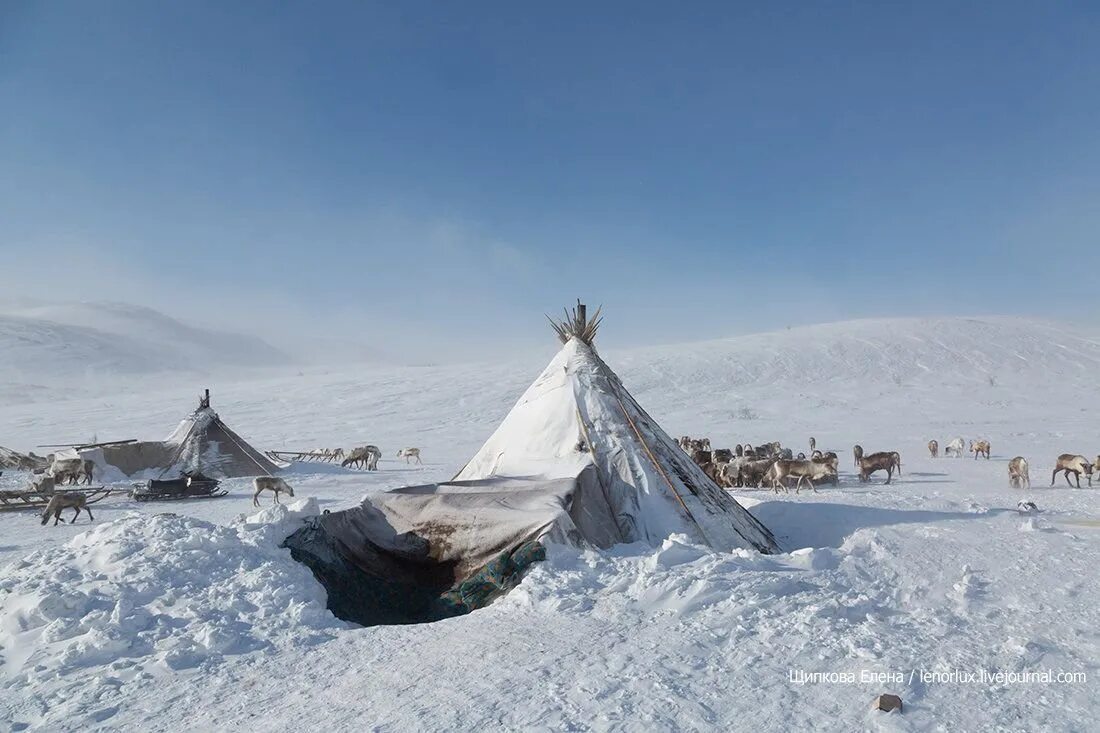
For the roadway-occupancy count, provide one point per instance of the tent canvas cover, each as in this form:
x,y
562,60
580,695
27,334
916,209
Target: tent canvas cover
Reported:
x,y
200,444
576,461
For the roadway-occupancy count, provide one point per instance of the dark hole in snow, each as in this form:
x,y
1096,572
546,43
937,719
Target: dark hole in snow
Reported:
x,y
402,583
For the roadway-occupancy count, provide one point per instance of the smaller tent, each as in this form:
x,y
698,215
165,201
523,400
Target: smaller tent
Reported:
x,y
200,444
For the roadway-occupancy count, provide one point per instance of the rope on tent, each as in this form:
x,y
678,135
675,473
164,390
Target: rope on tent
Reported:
x,y
656,464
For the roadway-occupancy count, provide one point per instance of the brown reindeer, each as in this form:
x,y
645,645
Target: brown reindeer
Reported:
x,y
704,459
980,448
884,461
66,500
934,448
723,455
830,460
1069,463
857,452
752,472
1017,473
364,456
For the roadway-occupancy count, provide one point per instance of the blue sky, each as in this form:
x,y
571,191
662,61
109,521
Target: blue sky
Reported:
x,y
701,169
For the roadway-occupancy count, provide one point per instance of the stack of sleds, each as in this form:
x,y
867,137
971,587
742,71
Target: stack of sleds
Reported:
x,y
38,498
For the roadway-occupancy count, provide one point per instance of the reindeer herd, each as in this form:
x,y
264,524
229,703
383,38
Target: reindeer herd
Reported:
x,y
363,457
1018,477
770,465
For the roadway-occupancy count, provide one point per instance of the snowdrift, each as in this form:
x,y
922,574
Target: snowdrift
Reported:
x,y
148,593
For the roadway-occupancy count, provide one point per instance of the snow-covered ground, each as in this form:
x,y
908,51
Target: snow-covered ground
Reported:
x,y
198,621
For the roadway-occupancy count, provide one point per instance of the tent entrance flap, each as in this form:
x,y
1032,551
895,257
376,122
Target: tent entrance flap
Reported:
x,y
426,553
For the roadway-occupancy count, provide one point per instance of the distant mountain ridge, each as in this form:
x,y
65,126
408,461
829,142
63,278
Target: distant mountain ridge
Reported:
x,y
45,343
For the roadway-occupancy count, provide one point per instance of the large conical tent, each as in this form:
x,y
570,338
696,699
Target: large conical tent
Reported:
x,y
576,461
201,444
578,414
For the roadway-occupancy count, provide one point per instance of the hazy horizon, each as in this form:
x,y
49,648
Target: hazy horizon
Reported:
x,y
430,180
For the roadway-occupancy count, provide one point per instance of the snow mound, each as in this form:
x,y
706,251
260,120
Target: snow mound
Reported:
x,y
143,595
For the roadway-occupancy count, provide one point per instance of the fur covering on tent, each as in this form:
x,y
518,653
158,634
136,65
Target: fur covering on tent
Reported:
x,y
576,461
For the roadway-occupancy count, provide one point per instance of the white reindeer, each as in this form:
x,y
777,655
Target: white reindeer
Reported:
x,y
954,448
273,484
409,453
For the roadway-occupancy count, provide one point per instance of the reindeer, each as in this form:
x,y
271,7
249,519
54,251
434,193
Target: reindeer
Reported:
x,y
831,461
979,447
66,470
365,456
751,472
273,484
729,474
806,471
1069,463
955,448
701,457
1017,473
887,462
409,453
857,453
66,500
86,472
338,454
46,485
934,448
813,444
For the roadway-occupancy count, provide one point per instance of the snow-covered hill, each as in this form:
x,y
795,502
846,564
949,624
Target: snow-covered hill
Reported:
x,y
82,345
902,370
925,351
933,573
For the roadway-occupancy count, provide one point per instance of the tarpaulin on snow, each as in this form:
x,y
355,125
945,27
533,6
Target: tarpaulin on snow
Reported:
x,y
423,553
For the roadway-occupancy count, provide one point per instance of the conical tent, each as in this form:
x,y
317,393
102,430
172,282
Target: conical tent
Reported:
x,y
200,444
576,414
576,461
